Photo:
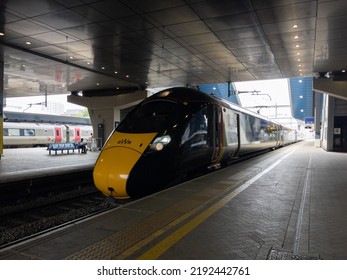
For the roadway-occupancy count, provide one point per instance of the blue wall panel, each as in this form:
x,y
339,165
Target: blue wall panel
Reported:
x,y
301,97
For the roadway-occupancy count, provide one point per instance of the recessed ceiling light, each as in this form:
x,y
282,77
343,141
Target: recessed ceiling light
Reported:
x,y
297,46
103,68
296,37
298,53
2,34
343,71
28,43
299,59
127,76
116,72
295,26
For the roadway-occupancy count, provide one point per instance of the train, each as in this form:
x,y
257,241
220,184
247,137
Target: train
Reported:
x,y
21,130
175,132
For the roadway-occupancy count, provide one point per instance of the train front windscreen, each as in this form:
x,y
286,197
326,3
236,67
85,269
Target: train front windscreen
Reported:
x,y
155,115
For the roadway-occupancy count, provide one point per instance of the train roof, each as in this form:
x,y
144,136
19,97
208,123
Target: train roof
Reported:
x,y
44,118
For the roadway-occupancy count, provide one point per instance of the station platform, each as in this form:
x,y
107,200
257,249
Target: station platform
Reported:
x,y
27,163
286,204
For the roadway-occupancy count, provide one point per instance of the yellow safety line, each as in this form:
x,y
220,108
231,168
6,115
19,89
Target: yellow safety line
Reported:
x,y
157,250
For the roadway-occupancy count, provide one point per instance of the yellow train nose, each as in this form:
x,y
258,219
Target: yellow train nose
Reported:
x,y
117,159
112,170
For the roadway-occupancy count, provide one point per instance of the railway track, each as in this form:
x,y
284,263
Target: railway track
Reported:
x,y
20,222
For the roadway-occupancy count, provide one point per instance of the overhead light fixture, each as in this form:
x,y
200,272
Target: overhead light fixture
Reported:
x,y
116,72
295,26
28,43
297,46
300,81
103,67
296,37
298,53
343,71
299,59
2,34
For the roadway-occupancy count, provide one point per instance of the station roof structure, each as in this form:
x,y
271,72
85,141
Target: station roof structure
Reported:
x,y
56,46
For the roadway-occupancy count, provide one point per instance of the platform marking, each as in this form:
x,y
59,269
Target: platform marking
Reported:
x,y
306,186
156,251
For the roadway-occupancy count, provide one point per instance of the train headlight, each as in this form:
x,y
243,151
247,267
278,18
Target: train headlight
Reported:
x,y
160,142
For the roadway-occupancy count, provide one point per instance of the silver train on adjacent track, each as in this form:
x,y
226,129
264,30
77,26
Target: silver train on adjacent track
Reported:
x,y
34,130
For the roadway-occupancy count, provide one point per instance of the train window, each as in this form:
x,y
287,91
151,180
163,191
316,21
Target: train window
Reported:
x,y
13,132
156,109
231,128
29,132
5,131
153,116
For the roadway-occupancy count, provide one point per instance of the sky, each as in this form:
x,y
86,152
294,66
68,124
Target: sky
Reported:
x,y
271,99
23,103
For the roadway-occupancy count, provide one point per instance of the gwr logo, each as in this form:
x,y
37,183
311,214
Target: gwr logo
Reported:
x,y
124,142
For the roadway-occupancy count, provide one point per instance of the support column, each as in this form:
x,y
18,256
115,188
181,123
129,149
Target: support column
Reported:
x,y
328,122
317,118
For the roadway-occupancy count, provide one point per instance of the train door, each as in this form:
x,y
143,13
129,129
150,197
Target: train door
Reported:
x,y
77,134
279,135
217,134
67,136
57,134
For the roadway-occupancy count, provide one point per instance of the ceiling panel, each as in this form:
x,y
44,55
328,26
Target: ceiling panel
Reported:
x,y
89,44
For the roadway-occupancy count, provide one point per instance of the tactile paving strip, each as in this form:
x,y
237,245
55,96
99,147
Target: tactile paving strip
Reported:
x,y
115,244
282,255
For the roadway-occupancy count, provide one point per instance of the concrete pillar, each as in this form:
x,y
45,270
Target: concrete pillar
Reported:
x,y
317,118
328,122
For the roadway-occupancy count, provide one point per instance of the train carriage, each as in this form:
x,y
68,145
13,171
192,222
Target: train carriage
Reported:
x,y
174,132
